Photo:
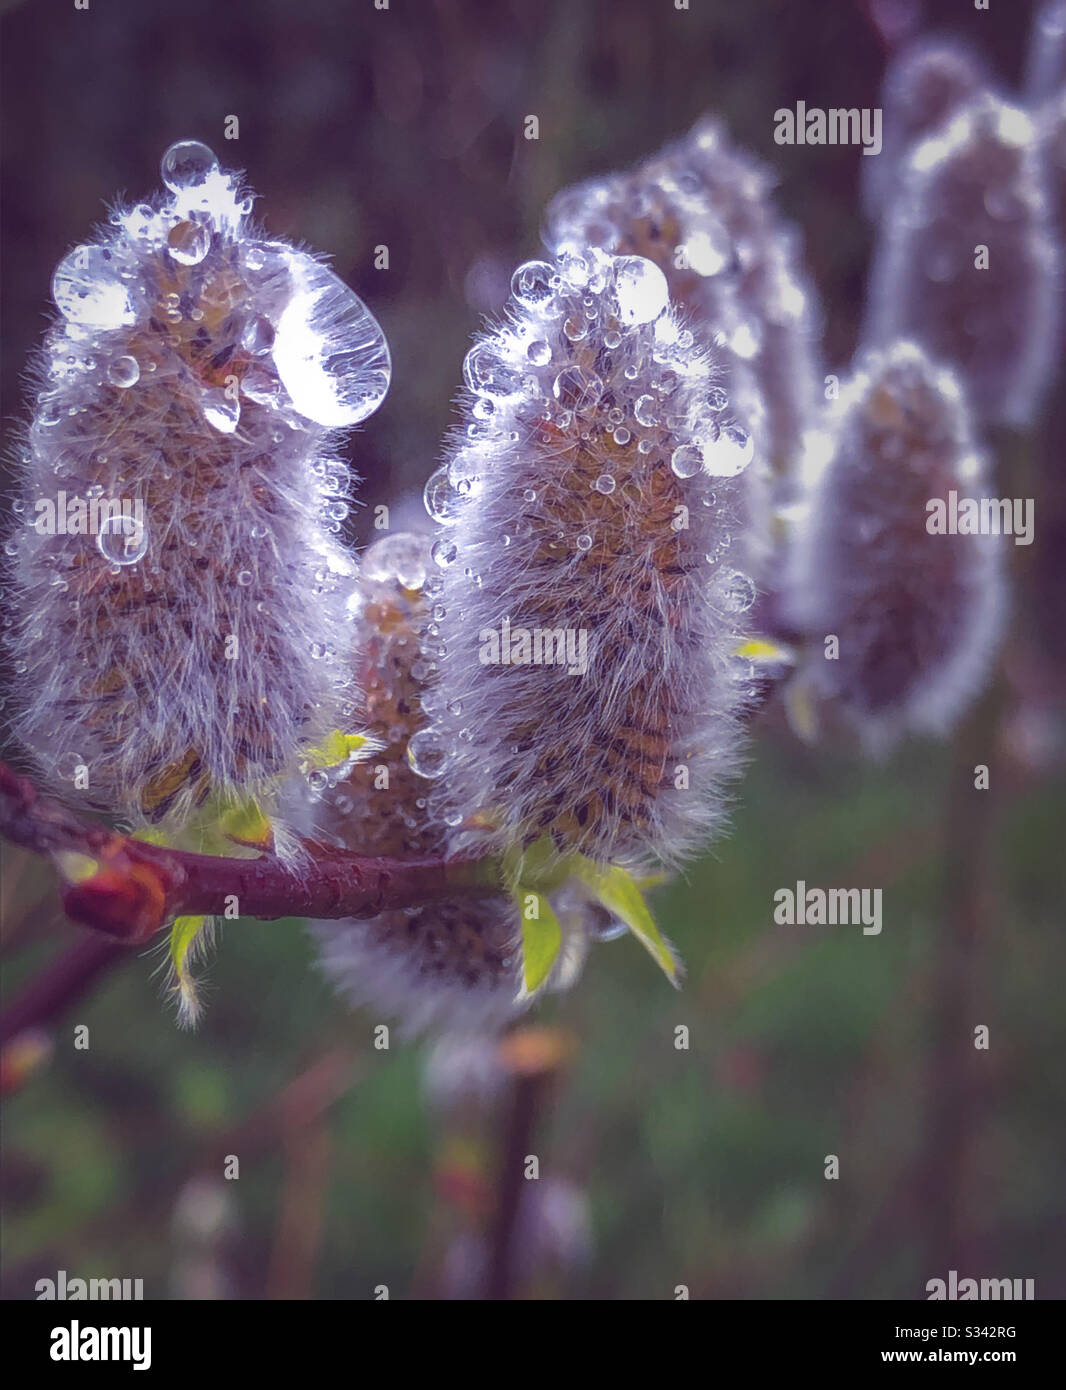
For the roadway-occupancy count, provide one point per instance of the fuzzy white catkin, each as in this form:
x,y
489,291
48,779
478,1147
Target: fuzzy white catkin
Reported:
x,y
593,495
968,264
204,372
917,615
451,965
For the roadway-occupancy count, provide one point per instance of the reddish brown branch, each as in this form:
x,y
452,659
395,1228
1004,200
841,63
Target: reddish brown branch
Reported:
x,y
135,888
62,983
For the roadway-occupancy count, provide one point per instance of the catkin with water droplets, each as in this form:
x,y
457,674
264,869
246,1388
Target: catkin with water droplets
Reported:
x,y
200,373
591,605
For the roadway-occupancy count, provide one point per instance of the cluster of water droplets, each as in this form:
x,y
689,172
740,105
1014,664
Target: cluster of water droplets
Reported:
x,y
181,301
702,210
255,320
189,394
401,566
590,356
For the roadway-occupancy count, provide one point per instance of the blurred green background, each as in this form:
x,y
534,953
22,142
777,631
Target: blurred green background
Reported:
x,y
659,1167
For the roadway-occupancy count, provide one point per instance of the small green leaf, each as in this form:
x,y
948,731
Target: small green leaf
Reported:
x,y
335,749
617,891
150,835
538,866
542,938
245,823
766,651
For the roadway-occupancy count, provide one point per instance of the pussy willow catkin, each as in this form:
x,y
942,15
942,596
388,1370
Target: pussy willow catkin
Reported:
x,y
590,604
968,264
915,608
178,581
453,964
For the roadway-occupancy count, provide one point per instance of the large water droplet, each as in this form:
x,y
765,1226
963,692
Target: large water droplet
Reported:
x,y
88,292
400,558
531,283
189,242
68,765
640,288
577,388
220,412
576,328
484,371
124,372
427,753
645,412
687,460
187,164
445,553
329,349
123,540
730,453
732,591
439,498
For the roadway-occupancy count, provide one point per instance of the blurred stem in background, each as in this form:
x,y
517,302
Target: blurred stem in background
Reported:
x,y
534,1058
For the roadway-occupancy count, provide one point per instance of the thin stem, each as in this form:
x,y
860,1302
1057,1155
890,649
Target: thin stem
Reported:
x,y
128,889
62,983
